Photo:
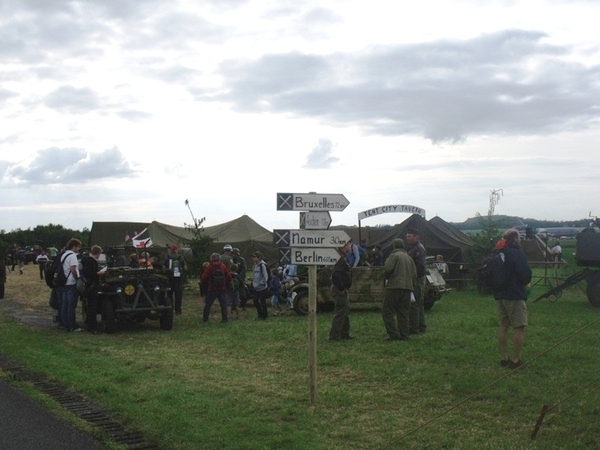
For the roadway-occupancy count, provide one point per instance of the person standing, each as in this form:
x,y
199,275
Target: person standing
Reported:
x,y
377,256
511,298
400,273
2,276
227,257
41,259
20,258
240,261
68,292
91,274
260,283
341,281
178,268
218,279
417,308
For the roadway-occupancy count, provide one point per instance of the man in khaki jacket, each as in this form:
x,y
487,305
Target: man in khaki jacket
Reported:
x,y
400,273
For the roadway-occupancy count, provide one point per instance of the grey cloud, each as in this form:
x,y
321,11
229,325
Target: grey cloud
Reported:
x,y
506,82
69,166
320,157
73,100
5,94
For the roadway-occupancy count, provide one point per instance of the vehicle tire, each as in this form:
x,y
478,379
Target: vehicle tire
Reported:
x,y
301,301
108,316
430,298
166,317
593,289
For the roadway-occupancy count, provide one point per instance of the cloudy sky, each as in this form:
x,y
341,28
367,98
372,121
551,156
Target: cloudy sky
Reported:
x,y
122,109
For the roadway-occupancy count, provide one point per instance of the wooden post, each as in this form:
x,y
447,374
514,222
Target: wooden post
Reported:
x,y
312,332
538,424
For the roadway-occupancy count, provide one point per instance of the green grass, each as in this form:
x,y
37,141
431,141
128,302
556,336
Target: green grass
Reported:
x,y
244,385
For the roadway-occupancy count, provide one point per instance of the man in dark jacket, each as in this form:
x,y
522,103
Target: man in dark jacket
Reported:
x,y
91,274
512,309
178,268
341,280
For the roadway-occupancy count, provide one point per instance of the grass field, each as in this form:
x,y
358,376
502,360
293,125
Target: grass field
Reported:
x,y
244,385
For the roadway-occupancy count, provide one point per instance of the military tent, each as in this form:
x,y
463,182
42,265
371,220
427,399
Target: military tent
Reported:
x,y
437,236
243,233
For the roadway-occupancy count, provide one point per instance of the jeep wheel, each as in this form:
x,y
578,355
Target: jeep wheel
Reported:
x,y
108,316
430,298
166,317
301,302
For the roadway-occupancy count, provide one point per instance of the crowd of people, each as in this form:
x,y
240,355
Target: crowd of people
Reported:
x,y
223,279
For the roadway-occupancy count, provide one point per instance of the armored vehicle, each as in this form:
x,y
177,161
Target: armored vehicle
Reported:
x,y
367,287
132,295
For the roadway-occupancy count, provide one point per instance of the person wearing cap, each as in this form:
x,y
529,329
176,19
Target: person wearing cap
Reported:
x,y
260,283
341,281
218,281
226,257
400,273
511,298
417,308
178,268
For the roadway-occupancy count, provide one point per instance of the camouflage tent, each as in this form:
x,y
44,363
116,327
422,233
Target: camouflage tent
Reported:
x,y
243,233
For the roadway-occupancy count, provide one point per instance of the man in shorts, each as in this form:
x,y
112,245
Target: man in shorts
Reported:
x,y
511,298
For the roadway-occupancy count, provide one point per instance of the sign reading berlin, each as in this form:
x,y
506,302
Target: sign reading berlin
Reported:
x,y
311,202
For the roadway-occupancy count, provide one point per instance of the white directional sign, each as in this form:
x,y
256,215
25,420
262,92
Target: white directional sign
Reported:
x,y
310,238
311,202
318,220
314,256
391,209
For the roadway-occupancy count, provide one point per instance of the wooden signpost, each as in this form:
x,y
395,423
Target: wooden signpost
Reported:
x,y
313,245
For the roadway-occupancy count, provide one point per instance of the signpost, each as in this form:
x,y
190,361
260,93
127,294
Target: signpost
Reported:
x,y
319,220
311,202
311,248
310,238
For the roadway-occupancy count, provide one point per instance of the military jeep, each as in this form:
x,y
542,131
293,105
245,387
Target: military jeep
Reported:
x,y
367,287
132,295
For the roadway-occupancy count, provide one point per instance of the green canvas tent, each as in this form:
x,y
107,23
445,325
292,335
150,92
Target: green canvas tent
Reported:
x,y
243,233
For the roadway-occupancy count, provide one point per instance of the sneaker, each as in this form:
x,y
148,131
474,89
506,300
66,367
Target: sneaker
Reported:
x,y
76,330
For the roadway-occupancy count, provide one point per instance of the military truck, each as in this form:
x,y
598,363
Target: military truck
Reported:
x,y
367,288
132,295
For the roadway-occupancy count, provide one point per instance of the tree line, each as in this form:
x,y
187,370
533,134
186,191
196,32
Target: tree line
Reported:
x,y
45,236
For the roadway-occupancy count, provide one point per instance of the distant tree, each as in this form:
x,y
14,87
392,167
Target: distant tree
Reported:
x,y
200,243
486,238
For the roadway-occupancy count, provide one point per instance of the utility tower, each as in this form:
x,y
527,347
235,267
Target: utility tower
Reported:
x,y
495,195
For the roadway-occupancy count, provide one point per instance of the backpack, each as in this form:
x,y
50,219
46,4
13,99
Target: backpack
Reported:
x,y
57,276
217,277
493,273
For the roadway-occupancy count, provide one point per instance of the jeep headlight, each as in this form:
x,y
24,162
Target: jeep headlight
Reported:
x,y
119,289
156,287
129,289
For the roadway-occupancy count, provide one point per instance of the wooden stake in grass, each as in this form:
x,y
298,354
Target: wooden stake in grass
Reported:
x,y
312,333
538,424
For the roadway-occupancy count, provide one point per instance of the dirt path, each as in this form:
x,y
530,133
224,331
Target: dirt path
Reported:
x,y
26,297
